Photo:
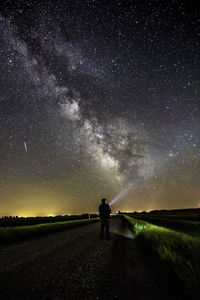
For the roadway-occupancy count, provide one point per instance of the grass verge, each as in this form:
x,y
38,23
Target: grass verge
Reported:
x,y
15,234
178,250
190,227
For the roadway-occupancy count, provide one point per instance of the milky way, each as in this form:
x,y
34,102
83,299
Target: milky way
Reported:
x,y
99,99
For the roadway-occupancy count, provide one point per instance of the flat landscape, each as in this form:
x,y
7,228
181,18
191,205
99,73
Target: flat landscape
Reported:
x,y
76,264
99,118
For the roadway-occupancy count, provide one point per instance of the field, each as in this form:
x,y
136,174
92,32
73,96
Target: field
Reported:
x,y
162,257
76,262
19,233
173,247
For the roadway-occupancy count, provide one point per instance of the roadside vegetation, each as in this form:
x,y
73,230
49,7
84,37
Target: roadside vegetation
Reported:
x,y
13,221
180,251
190,227
15,234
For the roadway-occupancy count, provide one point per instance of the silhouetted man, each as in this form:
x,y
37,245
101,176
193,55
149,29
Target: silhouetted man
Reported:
x,y
104,212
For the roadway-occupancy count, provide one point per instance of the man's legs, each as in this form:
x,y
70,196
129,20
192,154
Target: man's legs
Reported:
x,y
107,229
102,228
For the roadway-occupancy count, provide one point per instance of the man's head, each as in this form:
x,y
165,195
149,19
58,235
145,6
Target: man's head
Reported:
x,y
103,200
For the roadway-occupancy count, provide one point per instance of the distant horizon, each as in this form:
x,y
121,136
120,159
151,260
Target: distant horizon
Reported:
x,y
90,213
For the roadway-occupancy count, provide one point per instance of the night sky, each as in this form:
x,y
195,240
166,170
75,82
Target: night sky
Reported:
x,y
99,99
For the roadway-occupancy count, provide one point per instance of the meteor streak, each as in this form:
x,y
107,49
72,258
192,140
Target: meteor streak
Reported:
x,y
25,147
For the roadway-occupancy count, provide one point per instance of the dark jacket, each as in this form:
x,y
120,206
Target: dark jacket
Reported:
x,y
104,211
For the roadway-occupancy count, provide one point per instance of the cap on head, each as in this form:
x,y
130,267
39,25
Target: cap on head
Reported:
x,y
103,200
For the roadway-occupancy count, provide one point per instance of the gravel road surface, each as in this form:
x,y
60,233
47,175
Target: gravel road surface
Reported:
x,y
76,264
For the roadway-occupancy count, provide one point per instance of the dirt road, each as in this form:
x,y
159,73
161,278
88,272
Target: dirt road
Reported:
x,y
75,264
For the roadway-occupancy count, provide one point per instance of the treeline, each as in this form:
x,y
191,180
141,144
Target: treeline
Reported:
x,y
13,221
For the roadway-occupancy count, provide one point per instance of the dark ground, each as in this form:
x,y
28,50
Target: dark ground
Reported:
x,y
75,264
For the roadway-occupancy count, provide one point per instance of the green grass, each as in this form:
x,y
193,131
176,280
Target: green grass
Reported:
x,y
19,233
179,250
190,227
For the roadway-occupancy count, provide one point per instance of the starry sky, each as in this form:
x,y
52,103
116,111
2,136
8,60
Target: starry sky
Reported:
x,y
99,99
